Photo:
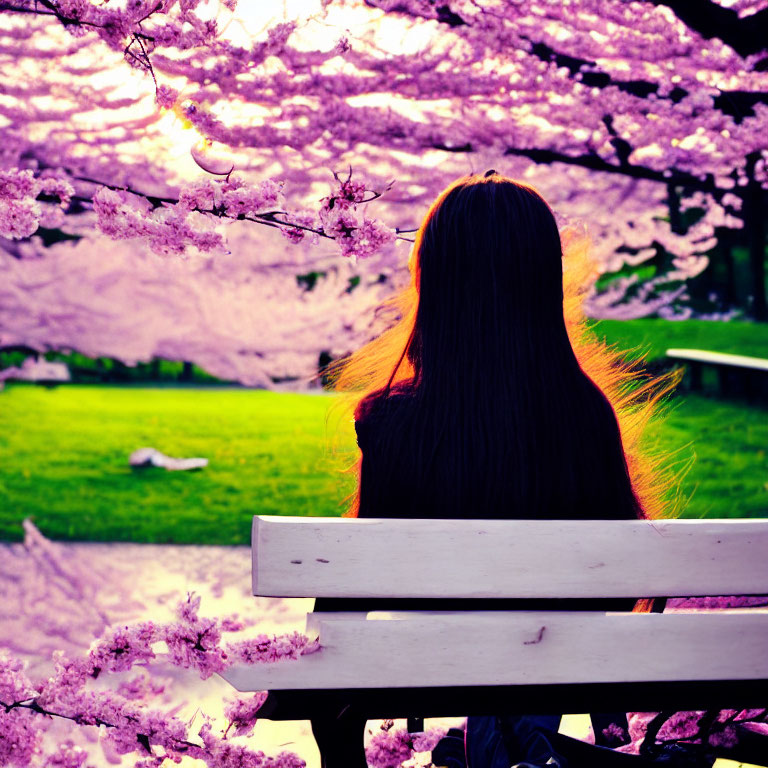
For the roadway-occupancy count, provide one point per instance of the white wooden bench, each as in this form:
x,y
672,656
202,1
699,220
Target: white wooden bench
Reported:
x,y
749,368
441,663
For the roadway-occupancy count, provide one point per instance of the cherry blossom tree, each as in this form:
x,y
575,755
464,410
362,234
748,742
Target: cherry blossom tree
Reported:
x,y
204,181
160,122
129,725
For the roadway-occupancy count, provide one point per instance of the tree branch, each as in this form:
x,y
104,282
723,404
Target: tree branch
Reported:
x,y
595,163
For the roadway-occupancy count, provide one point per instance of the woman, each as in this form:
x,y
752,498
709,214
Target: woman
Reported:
x,y
488,398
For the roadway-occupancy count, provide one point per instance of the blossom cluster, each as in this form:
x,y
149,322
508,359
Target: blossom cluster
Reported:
x,y
25,202
174,226
243,713
232,197
676,119
130,726
168,230
341,220
650,732
391,747
155,24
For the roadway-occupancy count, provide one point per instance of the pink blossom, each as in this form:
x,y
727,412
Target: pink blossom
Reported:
x,y
243,713
204,194
19,738
166,97
18,218
338,223
109,205
14,684
342,46
389,749
638,726
750,714
56,186
725,738
136,726
188,610
132,726
296,234
140,687
240,199
427,741
195,644
263,649
69,677
122,648
225,754
682,725
68,755
756,727
51,216
614,734
75,9
367,239
348,194
168,230
232,624
16,184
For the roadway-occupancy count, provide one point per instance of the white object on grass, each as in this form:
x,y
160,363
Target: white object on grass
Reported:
x,y
151,457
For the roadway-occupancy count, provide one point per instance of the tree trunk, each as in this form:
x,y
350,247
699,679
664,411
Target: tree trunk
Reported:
x,y
726,246
673,203
755,223
757,260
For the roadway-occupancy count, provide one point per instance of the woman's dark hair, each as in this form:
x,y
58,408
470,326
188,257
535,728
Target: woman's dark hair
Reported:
x,y
486,399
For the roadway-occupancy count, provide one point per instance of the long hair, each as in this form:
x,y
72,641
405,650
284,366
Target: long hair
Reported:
x,y
514,408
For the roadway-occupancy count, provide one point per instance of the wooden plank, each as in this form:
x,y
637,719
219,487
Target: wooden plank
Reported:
x,y
331,557
719,358
520,648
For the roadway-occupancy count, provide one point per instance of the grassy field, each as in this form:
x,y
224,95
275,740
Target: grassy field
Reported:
x,y
65,460
653,337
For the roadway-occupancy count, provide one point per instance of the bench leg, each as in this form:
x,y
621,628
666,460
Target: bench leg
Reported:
x,y
339,738
415,725
694,376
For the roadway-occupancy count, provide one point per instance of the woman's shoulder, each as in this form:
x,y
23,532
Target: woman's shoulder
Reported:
x,y
380,410
383,403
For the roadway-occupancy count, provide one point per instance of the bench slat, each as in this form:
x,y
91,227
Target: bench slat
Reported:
x,y
520,648
719,358
330,557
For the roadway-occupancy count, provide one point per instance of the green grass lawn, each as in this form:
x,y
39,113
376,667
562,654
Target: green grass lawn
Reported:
x,y
725,445
64,460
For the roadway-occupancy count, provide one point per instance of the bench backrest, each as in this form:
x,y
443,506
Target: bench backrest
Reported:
x,y
331,557
719,358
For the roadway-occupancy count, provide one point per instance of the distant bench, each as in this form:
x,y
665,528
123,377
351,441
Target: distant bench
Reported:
x,y
459,662
747,369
